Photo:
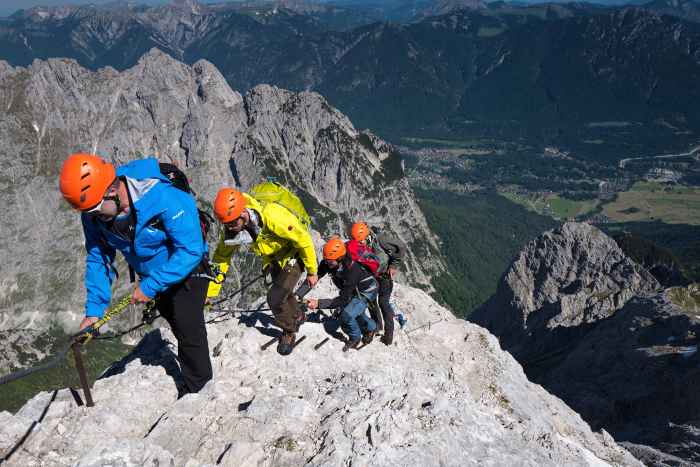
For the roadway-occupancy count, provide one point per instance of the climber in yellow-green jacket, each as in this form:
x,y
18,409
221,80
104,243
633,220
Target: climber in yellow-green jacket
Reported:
x,y
285,246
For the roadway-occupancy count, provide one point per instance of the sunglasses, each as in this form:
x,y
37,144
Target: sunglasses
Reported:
x,y
97,208
108,196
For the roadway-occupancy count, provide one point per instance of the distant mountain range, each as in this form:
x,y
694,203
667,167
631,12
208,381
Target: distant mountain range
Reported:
x,y
487,68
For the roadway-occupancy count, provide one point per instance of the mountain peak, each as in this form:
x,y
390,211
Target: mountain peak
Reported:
x,y
192,6
571,276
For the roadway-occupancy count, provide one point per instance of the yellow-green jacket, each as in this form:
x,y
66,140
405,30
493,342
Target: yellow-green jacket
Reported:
x,y
281,238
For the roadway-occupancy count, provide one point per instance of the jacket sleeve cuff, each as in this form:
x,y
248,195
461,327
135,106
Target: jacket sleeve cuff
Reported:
x,y
147,289
326,303
94,311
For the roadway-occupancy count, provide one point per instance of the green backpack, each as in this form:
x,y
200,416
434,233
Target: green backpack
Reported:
x,y
273,192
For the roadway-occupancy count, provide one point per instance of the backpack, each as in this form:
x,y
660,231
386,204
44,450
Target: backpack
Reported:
x,y
273,192
380,253
367,257
180,181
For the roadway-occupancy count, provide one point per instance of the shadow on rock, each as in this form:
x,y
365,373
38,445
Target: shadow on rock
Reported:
x,y
153,350
251,319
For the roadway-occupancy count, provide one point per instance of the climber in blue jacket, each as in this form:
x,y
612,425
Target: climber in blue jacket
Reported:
x,y
137,210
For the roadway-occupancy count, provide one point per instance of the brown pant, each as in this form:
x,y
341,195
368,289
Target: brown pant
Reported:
x,y
280,297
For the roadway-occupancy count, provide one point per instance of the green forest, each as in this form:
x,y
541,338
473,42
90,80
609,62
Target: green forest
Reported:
x,y
480,234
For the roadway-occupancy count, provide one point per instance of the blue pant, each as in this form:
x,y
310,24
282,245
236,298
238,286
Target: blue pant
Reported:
x,y
353,318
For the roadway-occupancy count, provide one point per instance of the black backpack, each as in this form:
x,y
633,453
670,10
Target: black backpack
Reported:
x,y
180,181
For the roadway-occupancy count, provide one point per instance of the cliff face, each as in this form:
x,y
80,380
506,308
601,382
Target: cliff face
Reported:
x,y
596,329
559,285
444,394
188,115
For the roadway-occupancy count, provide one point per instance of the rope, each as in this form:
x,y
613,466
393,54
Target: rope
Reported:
x,y
231,295
83,337
52,363
92,332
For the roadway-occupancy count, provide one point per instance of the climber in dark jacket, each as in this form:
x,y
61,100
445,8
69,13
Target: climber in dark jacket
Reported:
x,y
389,253
358,287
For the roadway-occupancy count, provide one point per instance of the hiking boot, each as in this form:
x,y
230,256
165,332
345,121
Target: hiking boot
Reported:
x,y
286,343
401,319
351,345
386,340
368,336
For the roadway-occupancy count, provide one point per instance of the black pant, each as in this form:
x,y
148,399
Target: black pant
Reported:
x,y
182,306
386,286
385,318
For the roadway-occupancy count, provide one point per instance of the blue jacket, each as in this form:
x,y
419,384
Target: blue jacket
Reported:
x,y
161,257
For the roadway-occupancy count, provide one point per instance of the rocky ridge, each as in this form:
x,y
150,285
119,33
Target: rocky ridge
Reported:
x,y
596,329
557,286
188,115
444,393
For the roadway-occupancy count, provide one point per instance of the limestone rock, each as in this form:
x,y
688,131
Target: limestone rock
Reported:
x,y
560,284
444,394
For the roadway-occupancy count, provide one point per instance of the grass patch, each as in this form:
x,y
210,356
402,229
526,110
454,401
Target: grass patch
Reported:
x,y
686,298
552,205
647,201
486,31
286,443
449,143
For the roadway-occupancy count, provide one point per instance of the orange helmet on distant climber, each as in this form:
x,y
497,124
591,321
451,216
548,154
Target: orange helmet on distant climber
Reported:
x,y
228,205
359,231
334,249
84,180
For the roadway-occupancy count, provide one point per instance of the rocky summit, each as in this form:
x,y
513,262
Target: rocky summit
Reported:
x,y
188,115
596,329
443,394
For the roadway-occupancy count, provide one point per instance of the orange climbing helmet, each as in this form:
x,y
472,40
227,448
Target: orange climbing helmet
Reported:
x,y
84,180
228,205
334,249
359,231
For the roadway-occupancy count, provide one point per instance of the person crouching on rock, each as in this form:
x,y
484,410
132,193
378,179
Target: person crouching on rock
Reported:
x,y
137,210
284,245
358,287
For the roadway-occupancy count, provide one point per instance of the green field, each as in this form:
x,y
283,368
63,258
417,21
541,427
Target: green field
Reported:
x,y
446,143
552,204
646,201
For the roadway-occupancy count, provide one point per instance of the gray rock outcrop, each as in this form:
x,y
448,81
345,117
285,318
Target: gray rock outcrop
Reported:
x,y
560,284
594,328
444,394
188,115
